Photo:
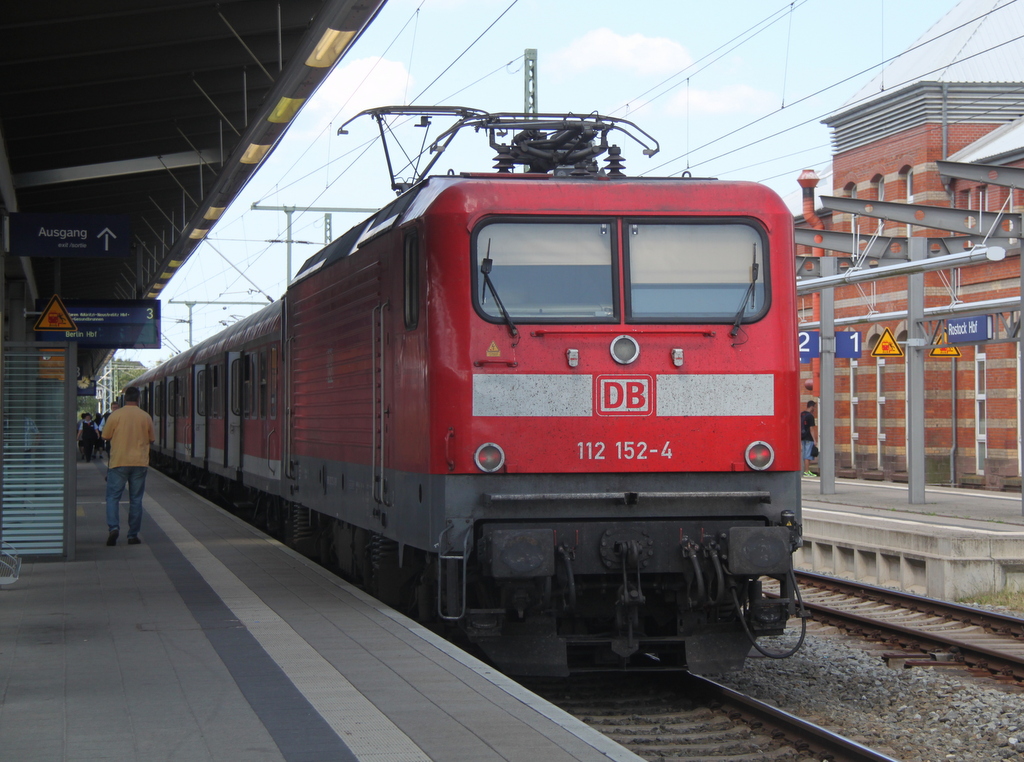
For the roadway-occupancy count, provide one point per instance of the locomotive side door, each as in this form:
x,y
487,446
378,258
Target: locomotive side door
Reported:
x,y
387,316
233,450
199,405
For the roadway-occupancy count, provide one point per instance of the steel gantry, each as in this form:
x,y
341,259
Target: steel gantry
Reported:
x,y
882,257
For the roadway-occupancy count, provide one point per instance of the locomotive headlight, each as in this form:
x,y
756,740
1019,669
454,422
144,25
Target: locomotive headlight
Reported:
x,y
489,457
759,455
624,349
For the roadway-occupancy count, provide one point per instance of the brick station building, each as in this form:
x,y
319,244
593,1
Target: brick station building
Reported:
x,y
957,95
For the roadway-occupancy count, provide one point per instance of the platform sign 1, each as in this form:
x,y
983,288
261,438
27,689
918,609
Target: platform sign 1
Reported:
x,y
810,345
112,324
969,330
848,344
70,235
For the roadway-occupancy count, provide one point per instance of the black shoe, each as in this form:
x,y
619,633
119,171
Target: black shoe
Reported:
x,y
112,537
134,541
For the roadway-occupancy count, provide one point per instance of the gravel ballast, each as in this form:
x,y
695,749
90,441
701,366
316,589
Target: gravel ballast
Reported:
x,y
918,714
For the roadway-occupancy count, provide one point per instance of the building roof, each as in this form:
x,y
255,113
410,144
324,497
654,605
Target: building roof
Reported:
x,y
977,41
1000,146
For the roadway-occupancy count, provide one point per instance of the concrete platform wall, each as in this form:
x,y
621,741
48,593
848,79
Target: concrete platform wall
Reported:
x,y
948,562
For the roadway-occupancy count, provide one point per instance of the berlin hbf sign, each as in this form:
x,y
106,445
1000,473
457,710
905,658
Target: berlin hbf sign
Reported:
x,y
69,235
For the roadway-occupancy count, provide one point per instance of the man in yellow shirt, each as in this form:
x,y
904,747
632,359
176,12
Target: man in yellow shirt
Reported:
x,y
130,431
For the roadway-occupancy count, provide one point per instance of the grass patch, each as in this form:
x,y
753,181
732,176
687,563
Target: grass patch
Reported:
x,y
1010,599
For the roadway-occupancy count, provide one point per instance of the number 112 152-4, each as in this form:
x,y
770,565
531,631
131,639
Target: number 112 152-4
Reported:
x,y
622,450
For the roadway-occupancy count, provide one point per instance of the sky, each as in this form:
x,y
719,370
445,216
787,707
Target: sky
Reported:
x,y
734,89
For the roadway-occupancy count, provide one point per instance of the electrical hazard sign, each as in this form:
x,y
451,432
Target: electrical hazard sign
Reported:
x,y
944,349
55,317
887,346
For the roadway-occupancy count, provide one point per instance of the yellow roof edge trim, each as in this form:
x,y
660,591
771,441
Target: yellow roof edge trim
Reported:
x,y
330,47
286,109
254,153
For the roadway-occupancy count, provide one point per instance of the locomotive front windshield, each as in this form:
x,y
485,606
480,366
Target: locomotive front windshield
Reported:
x,y
675,271
694,272
547,270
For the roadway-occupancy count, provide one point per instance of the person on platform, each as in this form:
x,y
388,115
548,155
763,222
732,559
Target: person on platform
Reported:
x,y
105,443
130,432
88,436
808,436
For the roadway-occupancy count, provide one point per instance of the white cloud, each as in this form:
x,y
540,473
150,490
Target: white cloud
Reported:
x,y
364,83
604,48
731,99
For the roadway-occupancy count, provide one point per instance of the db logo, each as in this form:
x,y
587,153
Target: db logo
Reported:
x,y
624,395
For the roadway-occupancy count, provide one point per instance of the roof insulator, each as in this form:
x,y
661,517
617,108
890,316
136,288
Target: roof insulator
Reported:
x,y
615,162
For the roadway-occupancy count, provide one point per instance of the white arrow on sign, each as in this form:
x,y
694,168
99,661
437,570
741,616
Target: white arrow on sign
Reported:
x,y
106,234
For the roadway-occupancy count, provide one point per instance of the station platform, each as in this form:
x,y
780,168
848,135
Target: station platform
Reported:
x,y
210,641
958,543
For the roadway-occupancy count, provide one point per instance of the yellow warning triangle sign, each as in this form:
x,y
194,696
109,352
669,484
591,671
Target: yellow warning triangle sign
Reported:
x,y
943,349
887,346
55,317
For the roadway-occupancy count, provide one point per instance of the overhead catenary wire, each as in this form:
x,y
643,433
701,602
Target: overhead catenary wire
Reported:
x,y
842,81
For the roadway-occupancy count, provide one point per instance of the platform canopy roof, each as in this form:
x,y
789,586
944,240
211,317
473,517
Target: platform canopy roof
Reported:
x,y
157,109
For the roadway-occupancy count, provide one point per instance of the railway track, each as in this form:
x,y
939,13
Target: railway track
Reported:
x,y
927,631
679,716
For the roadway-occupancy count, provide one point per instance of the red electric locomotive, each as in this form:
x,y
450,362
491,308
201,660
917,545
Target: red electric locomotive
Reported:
x,y
554,408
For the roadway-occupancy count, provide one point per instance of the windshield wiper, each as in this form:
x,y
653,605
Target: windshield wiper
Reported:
x,y
485,270
746,296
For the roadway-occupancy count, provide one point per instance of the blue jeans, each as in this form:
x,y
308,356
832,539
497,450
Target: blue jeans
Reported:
x,y
117,478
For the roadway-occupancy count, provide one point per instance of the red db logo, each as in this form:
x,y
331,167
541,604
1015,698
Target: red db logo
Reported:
x,y
624,395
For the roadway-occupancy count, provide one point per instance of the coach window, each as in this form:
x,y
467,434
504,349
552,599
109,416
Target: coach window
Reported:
x,y
263,383
216,392
412,281
273,382
201,393
545,271
695,272
236,387
247,392
158,400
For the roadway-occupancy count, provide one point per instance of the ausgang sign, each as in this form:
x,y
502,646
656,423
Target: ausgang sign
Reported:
x,y
70,235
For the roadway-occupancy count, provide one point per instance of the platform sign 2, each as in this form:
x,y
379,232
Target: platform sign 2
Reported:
x,y
112,324
810,345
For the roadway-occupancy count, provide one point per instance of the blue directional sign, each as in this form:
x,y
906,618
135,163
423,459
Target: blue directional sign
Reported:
x,y
810,345
848,344
111,324
70,235
969,330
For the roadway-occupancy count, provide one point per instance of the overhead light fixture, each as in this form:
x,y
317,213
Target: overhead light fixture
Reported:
x,y
285,109
331,45
254,153
198,233
214,213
